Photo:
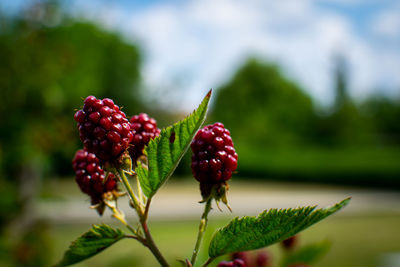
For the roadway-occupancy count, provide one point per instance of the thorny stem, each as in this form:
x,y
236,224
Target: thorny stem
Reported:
x,y
202,229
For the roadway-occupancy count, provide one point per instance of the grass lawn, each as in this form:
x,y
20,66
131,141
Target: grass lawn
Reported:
x,y
356,241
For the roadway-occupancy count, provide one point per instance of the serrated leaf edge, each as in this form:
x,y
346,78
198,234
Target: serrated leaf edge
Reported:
x,y
309,209
165,133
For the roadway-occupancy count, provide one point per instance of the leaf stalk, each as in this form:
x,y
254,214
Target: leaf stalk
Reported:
x,y
202,229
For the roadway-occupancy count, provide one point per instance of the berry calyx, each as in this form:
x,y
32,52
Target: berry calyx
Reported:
x,y
143,129
103,128
91,177
214,158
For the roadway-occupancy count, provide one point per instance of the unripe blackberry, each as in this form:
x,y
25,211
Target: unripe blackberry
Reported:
x,y
91,177
103,128
214,158
143,129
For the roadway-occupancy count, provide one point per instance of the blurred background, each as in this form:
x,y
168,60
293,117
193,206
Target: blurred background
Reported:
x,y
310,91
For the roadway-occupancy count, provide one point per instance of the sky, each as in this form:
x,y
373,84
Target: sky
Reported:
x,y
191,46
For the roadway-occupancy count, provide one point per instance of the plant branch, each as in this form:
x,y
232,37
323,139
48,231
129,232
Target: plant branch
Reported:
x,y
117,214
143,215
149,239
202,229
139,190
208,262
146,210
121,175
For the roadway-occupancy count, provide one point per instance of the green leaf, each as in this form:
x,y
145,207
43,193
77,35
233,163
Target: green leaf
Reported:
x,y
267,228
307,254
165,151
90,243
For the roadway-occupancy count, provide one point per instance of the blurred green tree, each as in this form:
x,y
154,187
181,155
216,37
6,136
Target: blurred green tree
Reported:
x,y
280,135
264,108
49,62
344,125
384,114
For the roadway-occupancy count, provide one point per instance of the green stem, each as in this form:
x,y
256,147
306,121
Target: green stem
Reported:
x,y
117,214
208,262
202,229
139,190
124,180
149,239
143,214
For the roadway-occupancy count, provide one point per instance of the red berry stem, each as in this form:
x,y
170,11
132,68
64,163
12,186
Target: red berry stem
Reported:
x,y
202,229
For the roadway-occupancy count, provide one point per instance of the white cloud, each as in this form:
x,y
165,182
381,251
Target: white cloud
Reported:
x,y
387,24
192,46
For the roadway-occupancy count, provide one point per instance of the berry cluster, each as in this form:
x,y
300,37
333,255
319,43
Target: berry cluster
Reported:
x,y
260,259
90,176
103,128
234,263
143,129
214,158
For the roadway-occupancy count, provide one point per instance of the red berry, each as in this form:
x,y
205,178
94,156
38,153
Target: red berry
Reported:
x,y
239,263
225,264
234,263
214,158
244,256
262,259
90,176
143,129
103,128
290,243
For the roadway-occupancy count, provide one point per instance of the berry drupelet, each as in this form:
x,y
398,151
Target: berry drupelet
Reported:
x,y
103,128
214,158
91,177
244,256
234,263
213,161
258,259
143,129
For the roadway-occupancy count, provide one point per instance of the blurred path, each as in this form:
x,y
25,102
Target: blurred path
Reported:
x,y
180,201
